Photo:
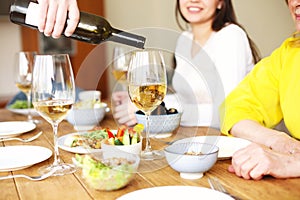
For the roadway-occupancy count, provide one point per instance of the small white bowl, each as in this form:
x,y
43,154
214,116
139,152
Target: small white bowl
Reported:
x,y
160,125
133,148
86,118
191,166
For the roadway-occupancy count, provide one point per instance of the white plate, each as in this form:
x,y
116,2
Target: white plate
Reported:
x,y
227,145
20,157
175,193
15,128
24,111
79,149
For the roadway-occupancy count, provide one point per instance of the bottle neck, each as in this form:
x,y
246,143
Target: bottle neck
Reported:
x,y
18,12
127,38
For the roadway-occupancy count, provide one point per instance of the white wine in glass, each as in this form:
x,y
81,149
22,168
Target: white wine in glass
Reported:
x,y
53,94
147,87
23,76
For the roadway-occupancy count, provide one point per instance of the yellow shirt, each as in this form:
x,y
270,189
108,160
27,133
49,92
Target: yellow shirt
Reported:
x,y
268,94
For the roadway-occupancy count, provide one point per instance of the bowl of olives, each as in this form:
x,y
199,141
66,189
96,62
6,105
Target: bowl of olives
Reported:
x,y
163,121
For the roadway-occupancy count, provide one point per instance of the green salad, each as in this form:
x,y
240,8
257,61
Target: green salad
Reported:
x,y
109,174
20,104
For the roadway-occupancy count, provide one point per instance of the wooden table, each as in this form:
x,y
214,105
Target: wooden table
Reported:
x,y
72,186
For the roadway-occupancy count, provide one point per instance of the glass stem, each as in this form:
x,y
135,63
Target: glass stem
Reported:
x,y
56,152
29,117
124,86
148,147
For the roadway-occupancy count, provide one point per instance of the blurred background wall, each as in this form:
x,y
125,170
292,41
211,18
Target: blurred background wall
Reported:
x,y
268,23
10,43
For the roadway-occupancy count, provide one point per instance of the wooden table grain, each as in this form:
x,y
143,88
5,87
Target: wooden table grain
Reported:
x,y
73,187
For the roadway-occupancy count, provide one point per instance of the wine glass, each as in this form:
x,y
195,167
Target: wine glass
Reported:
x,y
23,76
147,87
120,65
53,94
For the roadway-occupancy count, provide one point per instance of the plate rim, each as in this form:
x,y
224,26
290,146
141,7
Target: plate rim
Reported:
x,y
172,187
21,130
46,151
79,150
23,111
222,137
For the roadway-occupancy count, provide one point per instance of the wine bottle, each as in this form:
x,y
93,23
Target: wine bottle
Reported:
x,y
91,28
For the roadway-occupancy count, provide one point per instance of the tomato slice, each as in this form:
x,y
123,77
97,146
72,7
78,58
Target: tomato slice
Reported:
x,y
109,133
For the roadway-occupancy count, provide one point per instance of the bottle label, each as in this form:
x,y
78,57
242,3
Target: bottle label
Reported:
x,y
32,14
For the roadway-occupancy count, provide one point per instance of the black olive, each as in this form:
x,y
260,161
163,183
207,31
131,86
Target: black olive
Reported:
x,y
140,112
172,111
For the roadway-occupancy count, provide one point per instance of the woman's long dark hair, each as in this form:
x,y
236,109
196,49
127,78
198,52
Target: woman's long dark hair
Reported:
x,y
223,17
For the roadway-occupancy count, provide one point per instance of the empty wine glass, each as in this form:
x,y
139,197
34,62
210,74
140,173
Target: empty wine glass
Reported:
x,y
53,94
23,76
120,64
147,86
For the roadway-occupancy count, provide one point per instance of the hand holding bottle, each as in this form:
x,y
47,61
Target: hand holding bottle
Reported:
x,y
53,15
88,27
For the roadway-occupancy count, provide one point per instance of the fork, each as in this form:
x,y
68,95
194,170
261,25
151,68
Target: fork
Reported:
x,y
216,185
22,140
33,178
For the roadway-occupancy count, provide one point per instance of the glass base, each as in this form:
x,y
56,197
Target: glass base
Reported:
x,y
152,155
191,175
161,135
35,121
60,169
